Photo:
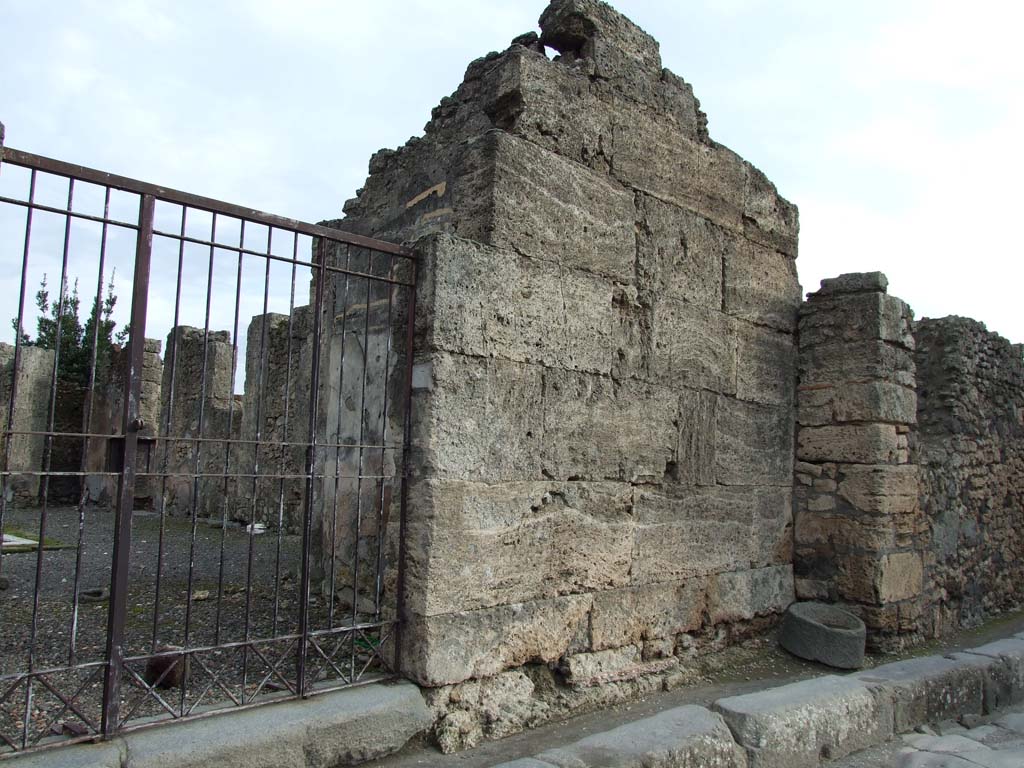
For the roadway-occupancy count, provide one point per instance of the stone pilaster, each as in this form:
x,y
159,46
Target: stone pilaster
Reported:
x,y
859,530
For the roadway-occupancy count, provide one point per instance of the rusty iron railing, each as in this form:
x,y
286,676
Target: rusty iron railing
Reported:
x,y
189,545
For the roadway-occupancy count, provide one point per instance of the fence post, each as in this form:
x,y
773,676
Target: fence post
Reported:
x,y
126,483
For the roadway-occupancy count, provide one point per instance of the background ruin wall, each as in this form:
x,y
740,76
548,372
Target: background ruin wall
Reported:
x,y
970,444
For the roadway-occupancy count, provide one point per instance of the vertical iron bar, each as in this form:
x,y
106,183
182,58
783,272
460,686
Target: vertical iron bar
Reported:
x,y
227,439
359,471
87,429
286,449
383,447
172,355
314,387
126,483
198,443
44,490
337,436
261,383
410,337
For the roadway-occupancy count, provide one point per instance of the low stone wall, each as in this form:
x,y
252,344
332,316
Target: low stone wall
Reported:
x,y
971,452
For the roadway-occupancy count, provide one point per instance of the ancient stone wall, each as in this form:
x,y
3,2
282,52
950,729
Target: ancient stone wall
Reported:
x,y
860,535
198,414
971,451
276,412
30,415
107,410
605,368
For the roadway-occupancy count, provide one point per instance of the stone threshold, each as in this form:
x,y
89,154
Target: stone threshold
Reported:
x,y
808,723
333,729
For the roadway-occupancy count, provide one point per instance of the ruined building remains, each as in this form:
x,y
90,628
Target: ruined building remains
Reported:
x,y
632,441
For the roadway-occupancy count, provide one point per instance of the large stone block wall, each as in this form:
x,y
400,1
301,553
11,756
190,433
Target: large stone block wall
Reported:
x,y
971,452
860,535
603,404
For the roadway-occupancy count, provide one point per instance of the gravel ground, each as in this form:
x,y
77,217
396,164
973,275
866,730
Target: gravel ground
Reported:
x,y
54,615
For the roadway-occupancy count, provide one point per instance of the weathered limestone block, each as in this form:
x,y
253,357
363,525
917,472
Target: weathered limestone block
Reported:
x,y
833,530
754,443
613,665
901,577
481,545
525,310
769,219
483,420
590,427
773,527
742,595
761,287
695,454
559,106
700,531
839,364
680,254
594,30
881,490
452,647
858,402
854,282
927,690
795,725
693,347
624,617
547,207
765,365
689,736
845,318
849,443
651,156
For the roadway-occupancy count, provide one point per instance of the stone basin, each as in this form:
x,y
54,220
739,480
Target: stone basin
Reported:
x,y
824,633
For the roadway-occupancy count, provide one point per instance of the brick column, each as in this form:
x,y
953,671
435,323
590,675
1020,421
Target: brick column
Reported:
x,y
859,530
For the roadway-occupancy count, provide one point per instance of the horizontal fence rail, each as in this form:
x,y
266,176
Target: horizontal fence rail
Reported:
x,y
202,465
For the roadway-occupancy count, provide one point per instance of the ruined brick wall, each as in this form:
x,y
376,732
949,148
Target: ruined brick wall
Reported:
x,y
971,449
30,415
603,413
860,535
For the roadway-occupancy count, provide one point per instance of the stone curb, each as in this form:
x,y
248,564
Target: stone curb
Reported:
x,y
343,728
809,722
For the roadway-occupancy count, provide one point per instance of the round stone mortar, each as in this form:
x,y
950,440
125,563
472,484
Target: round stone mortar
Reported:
x,y
824,633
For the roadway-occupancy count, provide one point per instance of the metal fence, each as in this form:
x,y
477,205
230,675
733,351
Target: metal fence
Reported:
x,y
210,523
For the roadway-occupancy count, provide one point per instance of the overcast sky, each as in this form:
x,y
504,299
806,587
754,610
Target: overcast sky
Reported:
x,y
895,126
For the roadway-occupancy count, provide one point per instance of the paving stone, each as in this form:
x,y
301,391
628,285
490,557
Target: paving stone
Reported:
x,y
687,737
796,725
